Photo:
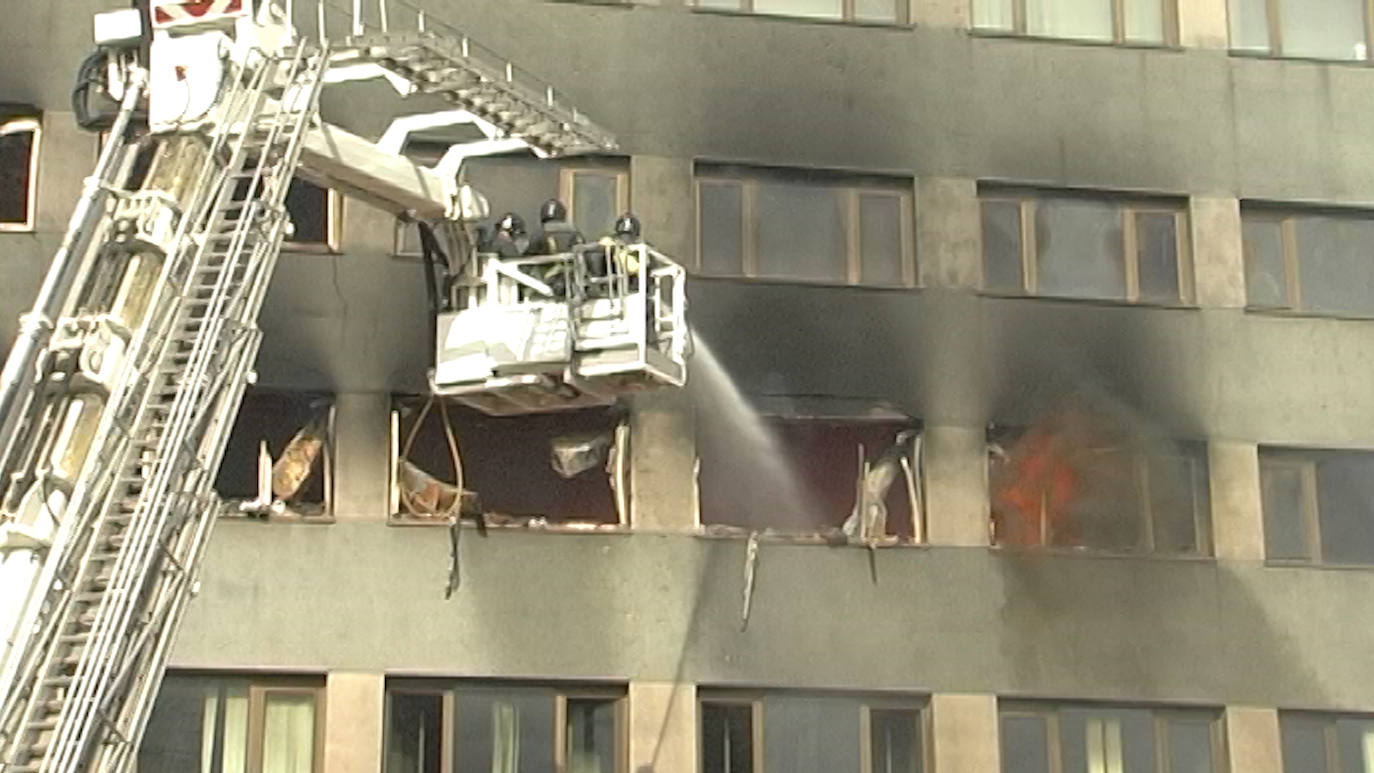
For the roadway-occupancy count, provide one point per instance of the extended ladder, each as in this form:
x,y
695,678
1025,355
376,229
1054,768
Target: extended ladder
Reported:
x,y
199,245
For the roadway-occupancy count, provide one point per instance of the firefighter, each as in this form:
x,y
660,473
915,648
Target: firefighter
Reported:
x,y
508,241
616,247
555,235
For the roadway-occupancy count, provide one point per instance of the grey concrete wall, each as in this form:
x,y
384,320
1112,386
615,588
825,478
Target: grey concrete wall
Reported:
x,y
666,608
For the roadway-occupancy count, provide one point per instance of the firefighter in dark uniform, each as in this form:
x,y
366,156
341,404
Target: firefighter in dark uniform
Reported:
x,y
508,240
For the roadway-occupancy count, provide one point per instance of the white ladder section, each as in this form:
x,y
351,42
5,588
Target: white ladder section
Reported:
x,y
92,644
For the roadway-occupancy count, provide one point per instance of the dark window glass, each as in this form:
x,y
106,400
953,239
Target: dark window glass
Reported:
x,y
800,232
1002,246
414,732
16,164
592,746
722,228
880,239
1283,501
1334,267
1266,281
1190,747
504,728
1173,483
1345,495
1157,255
308,205
1303,739
1025,744
727,738
1078,249
594,203
810,734
894,741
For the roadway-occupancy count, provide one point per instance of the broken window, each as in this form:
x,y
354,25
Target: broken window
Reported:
x,y
804,225
1078,245
316,217
235,725
560,468
476,727
1313,261
1078,479
811,475
1119,21
1316,505
1068,738
1326,743
18,172
279,458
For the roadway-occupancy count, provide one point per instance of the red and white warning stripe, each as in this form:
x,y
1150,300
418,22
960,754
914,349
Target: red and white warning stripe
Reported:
x,y
171,14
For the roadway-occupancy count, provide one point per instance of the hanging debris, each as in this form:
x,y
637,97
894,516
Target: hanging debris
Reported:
x,y
572,455
424,495
867,522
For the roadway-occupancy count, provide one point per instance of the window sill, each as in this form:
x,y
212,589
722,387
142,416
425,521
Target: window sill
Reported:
x,y
1022,551
994,34
1014,296
289,516
774,280
310,248
17,228
1270,56
510,523
887,25
1262,311
1281,563
719,531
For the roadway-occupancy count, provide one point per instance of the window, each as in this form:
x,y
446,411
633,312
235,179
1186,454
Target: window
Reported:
x,y
279,458
1316,506
1314,261
797,732
18,173
595,198
875,11
1075,480
1316,29
805,227
503,728
1326,743
235,725
1067,738
316,217
800,475
565,468
1085,246
1148,22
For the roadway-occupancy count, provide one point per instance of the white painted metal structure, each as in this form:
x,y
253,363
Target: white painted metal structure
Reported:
x,y
117,400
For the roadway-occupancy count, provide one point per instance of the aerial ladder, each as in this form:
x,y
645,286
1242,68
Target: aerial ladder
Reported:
x,y
118,397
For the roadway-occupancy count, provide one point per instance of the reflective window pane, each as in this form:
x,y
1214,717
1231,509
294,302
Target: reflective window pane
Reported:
x,y
1156,236
1173,504
16,163
1355,739
876,10
894,741
1025,746
1285,526
993,15
722,228
800,232
1078,249
812,9
1002,246
504,729
1323,29
810,734
733,5
727,738
414,732
1190,747
1334,264
288,735
1303,741
1249,20
593,206
1144,20
1077,19
880,239
592,746
1266,280
1345,489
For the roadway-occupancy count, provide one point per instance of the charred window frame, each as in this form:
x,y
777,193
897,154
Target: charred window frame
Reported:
x,y
438,725
1320,742
507,466
886,260
1315,506
1262,27
316,216
1046,737
1155,489
801,479
583,189
1012,249
1307,260
1124,27
20,145
235,723
281,440
854,11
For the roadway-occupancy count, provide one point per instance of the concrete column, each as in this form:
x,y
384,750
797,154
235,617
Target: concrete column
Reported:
x,y
353,722
663,195
663,727
1202,24
964,736
956,477
940,13
663,486
1237,514
948,232
1252,740
1218,260
362,449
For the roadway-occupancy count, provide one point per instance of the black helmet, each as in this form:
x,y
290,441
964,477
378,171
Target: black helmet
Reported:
x,y
627,227
552,209
511,223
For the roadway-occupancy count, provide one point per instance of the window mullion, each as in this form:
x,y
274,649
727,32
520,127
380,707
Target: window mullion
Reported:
x,y
1029,278
1018,16
1130,254
1288,232
748,204
853,237
1119,20
1275,28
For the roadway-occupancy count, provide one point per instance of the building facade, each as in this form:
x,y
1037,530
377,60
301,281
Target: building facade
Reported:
x,y
1109,259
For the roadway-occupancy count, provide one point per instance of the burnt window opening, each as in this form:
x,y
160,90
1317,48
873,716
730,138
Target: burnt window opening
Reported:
x,y
279,459
799,475
1078,480
18,172
315,217
566,468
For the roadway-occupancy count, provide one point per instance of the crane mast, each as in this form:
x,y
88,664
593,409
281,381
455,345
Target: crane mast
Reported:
x,y
117,400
